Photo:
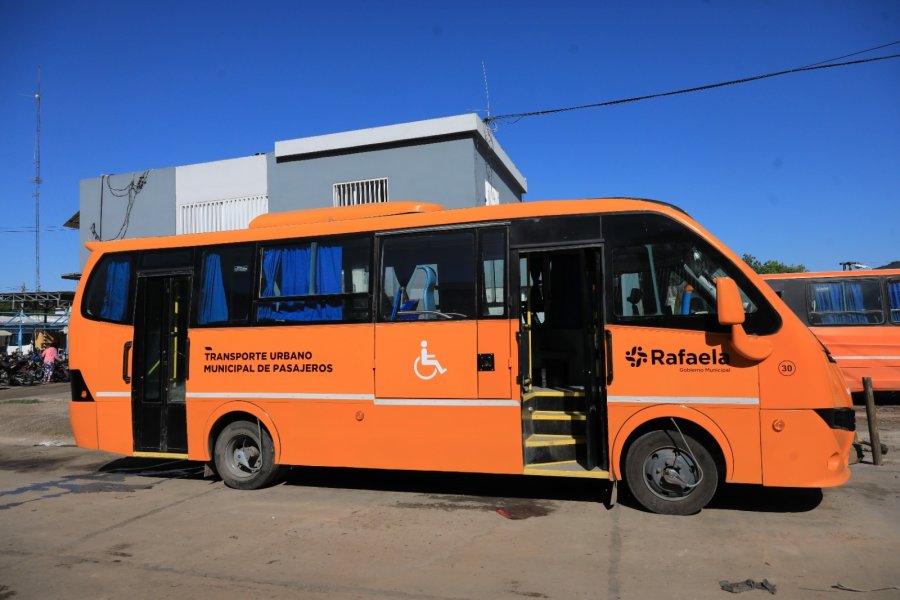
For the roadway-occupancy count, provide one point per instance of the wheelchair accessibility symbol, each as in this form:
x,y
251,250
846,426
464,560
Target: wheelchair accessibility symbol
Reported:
x,y
425,360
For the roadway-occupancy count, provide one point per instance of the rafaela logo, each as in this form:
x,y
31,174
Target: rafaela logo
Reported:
x,y
636,356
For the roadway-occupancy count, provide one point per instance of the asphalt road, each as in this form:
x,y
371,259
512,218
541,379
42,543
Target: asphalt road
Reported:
x,y
82,524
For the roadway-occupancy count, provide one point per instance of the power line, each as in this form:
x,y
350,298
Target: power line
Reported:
x,y
31,229
866,51
537,113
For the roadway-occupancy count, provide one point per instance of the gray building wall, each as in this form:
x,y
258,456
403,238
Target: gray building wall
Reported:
x,y
449,172
151,213
488,168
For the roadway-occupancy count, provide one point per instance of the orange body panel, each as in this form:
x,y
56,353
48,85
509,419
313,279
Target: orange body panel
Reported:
x,y
494,338
401,372
805,453
83,417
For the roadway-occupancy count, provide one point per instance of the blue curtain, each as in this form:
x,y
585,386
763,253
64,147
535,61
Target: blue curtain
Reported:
x,y
213,306
894,296
294,272
828,300
270,263
328,270
329,260
116,294
291,269
854,302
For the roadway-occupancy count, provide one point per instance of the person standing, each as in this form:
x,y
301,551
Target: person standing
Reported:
x,y
49,356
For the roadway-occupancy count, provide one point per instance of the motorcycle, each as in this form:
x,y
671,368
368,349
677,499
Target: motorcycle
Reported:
x,y
17,371
60,372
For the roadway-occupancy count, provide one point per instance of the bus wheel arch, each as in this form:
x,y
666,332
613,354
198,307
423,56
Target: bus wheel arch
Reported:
x,y
660,417
239,411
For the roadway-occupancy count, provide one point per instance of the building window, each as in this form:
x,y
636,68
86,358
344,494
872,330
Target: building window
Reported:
x,y
367,191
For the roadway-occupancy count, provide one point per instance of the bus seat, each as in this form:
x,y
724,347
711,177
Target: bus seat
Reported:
x,y
396,305
428,302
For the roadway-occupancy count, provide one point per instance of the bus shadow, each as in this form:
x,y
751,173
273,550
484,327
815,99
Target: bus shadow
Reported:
x,y
756,498
164,468
452,484
890,398
750,498
483,487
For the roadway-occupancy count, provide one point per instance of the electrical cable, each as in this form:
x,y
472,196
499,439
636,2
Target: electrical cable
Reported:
x,y
515,117
691,454
867,50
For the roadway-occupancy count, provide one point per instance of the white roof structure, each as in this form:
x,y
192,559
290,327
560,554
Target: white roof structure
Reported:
x,y
397,134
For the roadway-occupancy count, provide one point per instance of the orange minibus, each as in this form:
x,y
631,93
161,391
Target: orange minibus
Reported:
x,y
856,314
605,338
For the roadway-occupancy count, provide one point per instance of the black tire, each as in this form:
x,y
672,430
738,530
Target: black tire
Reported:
x,y
245,456
662,473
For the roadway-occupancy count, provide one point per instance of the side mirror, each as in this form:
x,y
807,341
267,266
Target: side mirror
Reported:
x,y
728,302
731,312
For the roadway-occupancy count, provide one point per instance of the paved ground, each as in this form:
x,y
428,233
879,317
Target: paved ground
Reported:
x,y
80,524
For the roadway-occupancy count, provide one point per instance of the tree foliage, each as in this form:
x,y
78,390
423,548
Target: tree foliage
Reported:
x,y
771,266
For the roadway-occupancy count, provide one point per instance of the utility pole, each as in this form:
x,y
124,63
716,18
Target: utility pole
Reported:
x,y
37,186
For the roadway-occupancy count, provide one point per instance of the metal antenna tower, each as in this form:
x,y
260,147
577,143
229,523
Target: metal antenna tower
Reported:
x,y
37,186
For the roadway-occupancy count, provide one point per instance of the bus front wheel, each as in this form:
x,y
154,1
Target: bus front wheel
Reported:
x,y
245,456
670,473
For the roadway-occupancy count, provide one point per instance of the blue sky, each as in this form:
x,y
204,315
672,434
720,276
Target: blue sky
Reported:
x,y
803,168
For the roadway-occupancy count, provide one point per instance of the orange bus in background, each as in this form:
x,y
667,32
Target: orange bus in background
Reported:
x,y
856,314
610,338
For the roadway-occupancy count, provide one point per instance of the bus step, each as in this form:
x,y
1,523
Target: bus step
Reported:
x,y
544,448
557,422
568,468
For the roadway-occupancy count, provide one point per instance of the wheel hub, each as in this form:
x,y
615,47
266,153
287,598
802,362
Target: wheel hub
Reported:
x,y
670,474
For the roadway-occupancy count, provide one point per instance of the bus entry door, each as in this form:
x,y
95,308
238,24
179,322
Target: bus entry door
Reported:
x,y
160,365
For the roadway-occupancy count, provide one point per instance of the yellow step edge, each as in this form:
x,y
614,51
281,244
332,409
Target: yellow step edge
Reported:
x,y
557,415
551,393
552,440
545,472
159,455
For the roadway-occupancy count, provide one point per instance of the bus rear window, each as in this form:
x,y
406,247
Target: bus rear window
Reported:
x,y
846,302
107,295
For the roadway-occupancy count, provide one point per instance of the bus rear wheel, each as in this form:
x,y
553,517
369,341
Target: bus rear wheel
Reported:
x,y
245,456
670,473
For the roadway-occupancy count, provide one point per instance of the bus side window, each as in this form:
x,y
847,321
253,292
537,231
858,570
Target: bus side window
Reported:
x,y
894,298
845,302
428,277
225,285
326,280
108,292
666,282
